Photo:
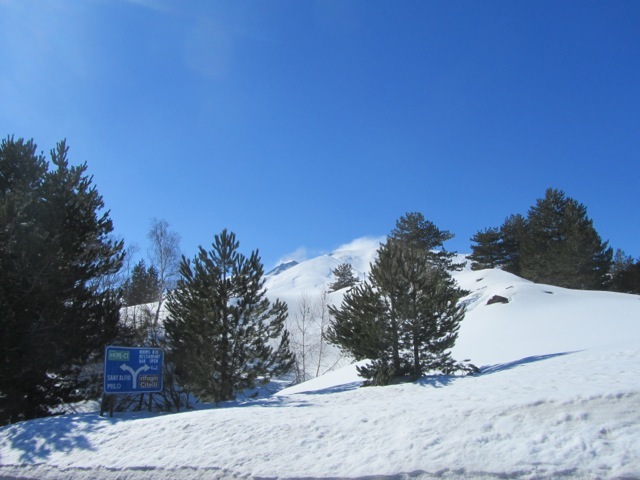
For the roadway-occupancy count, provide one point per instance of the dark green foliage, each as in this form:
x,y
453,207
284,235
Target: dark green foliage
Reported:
x,y
413,229
361,325
499,248
512,232
556,244
56,313
488,251
405,317
143,286
378,372
562,247
345,277
224,335
625,274
422,302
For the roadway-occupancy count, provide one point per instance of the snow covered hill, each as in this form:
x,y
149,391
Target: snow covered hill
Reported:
x,y
558,397
312,277
539,319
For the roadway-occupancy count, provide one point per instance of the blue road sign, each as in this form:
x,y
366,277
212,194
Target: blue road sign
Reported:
x,y
133,370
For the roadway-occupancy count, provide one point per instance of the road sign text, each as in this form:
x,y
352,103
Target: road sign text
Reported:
x,y
133,370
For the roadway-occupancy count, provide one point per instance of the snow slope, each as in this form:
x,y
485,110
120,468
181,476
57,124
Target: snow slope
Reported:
x,y
539,319
313,276
558,397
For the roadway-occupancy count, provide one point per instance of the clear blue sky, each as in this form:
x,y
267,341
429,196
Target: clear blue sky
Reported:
x,y
306,124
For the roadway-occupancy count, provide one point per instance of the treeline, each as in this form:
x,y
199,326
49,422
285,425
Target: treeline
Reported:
x,y
67,292
555,243
69,288
220,334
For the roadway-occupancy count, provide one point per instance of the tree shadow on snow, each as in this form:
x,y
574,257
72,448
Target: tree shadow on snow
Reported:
x,y
501,367
333,389
437,381
273,401
39,438
293,400
441,381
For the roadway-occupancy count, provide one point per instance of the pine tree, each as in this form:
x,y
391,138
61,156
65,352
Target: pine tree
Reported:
x,y
404,318
143,286
413,229
224,335
361,326
56,312
423,299
562,247
488,251
625,274
512,232
499,247
345,277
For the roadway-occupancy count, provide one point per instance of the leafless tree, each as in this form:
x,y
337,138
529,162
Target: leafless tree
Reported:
x,y
303,327
164,254
314,356
325,361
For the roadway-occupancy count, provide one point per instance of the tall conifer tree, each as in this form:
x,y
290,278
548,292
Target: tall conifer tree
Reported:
x,y
414,230
405,318
512,233
143,286
625,273
56,312
223,333
488,251
562,247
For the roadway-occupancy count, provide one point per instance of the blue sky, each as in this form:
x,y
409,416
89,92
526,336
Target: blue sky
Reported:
x,y
302,125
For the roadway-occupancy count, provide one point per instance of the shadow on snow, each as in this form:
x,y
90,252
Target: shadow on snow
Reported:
x,y
333,389
38,439
501,367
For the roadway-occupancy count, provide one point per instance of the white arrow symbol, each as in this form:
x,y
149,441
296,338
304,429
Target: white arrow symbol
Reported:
x,y
134,374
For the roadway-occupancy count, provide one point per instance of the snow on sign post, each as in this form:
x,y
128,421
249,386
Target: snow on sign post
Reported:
x,y
133,370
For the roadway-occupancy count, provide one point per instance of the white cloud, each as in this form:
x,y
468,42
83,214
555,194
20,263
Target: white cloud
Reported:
x,y
361,244
300,254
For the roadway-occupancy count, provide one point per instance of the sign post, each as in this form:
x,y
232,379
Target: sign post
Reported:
x,y
133,370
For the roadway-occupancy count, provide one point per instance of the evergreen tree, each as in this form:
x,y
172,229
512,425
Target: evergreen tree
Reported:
x,y
56,314
345,277
361,325
223,333
405,317
512,232
432,317
488,251
499,247
414,230
143,286
625,274
562,247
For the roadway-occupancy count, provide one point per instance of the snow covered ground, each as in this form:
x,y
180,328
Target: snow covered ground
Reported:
x,y
558,397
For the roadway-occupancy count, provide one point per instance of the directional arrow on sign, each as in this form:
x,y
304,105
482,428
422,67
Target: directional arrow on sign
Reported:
x,y
134,374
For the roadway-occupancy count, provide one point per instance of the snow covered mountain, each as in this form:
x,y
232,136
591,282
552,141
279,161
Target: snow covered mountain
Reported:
x,y
281,268
558,397
312,277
